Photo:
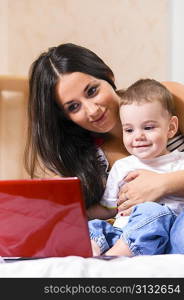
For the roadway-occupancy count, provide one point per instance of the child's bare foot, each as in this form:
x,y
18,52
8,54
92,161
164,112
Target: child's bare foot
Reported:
x,y
95,248
119,248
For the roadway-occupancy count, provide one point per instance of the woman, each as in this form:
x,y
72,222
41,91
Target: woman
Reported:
x,y
74,126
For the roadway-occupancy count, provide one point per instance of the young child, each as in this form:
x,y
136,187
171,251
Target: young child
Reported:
x,y
148,121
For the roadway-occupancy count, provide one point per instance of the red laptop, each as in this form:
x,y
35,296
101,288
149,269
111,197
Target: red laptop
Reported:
x,y
43,218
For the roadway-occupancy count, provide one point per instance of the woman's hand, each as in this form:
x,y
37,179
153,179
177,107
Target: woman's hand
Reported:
x,y
141,186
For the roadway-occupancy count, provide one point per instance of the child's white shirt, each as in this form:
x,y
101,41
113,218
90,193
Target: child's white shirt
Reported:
x,y
170,162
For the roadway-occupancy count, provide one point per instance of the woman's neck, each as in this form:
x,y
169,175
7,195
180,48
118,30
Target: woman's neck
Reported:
x,y
113,144
116,131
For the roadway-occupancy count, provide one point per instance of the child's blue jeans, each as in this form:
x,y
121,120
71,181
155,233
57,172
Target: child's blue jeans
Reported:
x,y
146,233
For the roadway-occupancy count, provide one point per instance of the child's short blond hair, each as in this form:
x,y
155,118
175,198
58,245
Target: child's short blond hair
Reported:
x,y
147,90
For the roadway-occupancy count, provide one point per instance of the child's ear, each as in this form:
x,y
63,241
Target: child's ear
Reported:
x,y
173,127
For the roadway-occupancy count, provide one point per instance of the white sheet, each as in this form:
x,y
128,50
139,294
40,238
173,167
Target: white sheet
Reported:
x,y
171,265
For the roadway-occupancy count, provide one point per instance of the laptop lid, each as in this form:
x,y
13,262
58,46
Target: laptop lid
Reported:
x,y
43,218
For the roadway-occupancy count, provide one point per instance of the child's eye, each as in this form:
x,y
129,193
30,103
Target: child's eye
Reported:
x,y
149,127
128,130
91,91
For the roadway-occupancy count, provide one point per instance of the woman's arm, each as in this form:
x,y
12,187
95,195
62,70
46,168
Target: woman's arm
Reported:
x,y
143,186
177,89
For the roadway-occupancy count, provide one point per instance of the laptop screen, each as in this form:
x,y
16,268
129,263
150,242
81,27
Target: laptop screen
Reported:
x,y
43,218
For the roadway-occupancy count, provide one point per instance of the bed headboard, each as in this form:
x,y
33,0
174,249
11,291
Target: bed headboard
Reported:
x,y
13,101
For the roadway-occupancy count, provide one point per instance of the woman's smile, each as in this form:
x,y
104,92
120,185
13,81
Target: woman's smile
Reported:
x,y
100,119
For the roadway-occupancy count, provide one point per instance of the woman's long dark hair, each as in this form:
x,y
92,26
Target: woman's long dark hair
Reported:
x,y
57,143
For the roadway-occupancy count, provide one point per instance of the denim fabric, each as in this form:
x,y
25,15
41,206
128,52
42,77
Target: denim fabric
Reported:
x,y
147,231
177,236
103,233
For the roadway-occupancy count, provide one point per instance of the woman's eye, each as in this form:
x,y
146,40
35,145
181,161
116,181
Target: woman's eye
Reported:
x,y
91,91
73,107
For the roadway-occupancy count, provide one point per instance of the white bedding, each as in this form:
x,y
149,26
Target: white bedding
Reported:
x,y
171,265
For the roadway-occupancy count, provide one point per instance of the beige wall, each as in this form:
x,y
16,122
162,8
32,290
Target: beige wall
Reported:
x,y
132,36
